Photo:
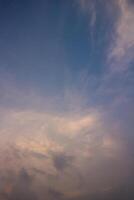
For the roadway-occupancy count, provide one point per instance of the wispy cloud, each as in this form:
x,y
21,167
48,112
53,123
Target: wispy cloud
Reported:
x,y
122,48
89,8
120,33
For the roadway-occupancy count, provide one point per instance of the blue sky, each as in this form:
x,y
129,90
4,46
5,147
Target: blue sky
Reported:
x,y
66,99
43,40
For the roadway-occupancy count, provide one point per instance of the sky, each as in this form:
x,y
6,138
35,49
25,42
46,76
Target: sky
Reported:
x,y
66,99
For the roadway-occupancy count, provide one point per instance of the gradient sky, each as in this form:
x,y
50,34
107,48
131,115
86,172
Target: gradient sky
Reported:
x,y
66,99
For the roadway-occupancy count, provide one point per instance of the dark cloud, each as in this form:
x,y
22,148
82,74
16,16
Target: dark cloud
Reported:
x,y
62,161
130,2
22,189
54,194
121,193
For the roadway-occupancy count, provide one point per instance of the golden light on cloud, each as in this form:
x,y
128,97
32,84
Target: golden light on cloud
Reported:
x,y
74,126
51,144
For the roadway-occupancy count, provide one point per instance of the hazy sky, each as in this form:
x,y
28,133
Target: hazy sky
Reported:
x,y
66,99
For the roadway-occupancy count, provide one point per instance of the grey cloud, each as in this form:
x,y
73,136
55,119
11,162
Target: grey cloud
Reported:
x,y
61,161
123,192
38,171
22,189
130,2
38,155
54,194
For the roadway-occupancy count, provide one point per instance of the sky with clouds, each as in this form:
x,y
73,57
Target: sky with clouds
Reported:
x,y
66,99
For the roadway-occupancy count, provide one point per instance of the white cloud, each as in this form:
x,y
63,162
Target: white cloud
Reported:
x,y
122,49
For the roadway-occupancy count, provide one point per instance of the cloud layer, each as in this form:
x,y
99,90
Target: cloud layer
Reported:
x,y
67,133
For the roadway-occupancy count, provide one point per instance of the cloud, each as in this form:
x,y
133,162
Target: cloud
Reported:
x,y
53,194
118,30
51,144
22,188
120,193
61,146
122,48
62,161
89,8
74,153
